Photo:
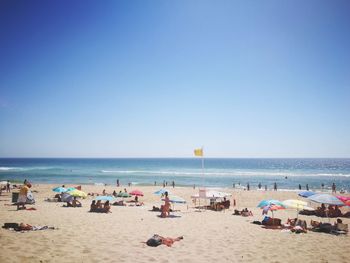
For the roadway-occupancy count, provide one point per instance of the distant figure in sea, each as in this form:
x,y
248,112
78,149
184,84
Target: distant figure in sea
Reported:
x,y
129,184
155,183
248,187
299,186
275,186
307,187
173,184
117,182
334,188
265,187
233,185
166,183
194,186
322,186
259,185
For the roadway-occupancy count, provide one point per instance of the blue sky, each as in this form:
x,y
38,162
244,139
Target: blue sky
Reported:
x,y
160,78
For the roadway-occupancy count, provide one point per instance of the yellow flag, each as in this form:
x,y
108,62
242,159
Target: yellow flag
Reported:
x,y
198,152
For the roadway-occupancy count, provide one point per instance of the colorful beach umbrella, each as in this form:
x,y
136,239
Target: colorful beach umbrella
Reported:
x,y
344,199
123,195
77,193
161,192
136,192
306,194
59,189
270,202
326,199
105,198
296,204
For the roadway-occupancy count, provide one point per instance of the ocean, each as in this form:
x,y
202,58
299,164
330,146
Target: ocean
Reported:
x,y
217,172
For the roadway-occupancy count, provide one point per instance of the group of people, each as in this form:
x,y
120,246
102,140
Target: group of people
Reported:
x,y
99,207
332,211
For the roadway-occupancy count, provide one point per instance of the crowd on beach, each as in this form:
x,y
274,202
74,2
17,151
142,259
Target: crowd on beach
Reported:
x,y
295,225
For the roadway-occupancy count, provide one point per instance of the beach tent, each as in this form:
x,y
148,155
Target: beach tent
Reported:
x,y
211,194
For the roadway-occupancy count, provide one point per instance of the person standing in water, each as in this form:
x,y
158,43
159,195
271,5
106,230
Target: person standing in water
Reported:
x,y
275,186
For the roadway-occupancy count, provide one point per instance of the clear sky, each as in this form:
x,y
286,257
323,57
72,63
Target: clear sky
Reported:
x,y
160,78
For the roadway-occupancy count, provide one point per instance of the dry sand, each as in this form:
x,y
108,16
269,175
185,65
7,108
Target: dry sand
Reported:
x,y
116,237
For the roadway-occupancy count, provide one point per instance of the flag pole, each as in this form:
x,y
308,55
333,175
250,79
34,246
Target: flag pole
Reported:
x,y
202,162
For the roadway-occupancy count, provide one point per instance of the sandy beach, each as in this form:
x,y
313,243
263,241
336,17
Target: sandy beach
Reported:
x,y
117,237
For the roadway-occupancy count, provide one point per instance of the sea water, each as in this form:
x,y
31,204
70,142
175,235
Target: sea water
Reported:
x,y
217,172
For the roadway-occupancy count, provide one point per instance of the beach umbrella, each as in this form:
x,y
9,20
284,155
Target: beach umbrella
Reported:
x,y
104,198
306,193
326,199
136,192
272,208
344,199
59,189
161,192
123,195
77,193
296,204
270,202
176,199
65,197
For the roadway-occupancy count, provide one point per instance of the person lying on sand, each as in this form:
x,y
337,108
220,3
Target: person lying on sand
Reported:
x,y
157,240
119,203
243,212
26,227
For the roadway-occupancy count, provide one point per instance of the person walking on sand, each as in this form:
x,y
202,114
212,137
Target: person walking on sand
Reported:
x,y
173,184
8,187
334,188
275,186
248,187
259,185
299,186
117,182
307,187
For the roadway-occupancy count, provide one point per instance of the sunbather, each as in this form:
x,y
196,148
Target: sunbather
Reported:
x,y
157,240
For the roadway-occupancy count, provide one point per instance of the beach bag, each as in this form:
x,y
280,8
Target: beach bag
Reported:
x,y
10,225
154,241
